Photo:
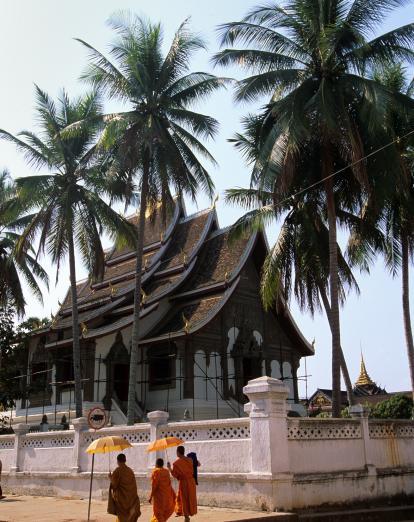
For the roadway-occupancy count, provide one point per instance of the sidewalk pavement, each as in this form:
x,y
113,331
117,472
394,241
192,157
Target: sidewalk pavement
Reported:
x,y
47,509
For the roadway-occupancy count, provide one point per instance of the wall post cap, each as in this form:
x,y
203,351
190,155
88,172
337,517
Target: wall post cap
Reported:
x,y
81,423
359,411
265,384
21,429
158,417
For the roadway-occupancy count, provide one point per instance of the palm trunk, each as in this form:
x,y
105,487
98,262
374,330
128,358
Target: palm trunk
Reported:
x,y
406,307
75,327
344,367
333,287
137,299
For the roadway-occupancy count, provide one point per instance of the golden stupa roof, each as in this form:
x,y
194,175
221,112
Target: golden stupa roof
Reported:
x,y
364,379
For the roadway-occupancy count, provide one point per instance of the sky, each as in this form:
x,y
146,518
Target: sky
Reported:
x,y
37,46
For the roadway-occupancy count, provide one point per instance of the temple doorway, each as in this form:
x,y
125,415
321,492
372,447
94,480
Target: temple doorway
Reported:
x,y
251,369
121,381
117,371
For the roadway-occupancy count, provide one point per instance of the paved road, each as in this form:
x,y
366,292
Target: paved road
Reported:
x,y
48,509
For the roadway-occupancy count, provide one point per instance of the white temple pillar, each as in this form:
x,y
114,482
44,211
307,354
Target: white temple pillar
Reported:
x,y
157,420
358,411
269,438
79,425
20,431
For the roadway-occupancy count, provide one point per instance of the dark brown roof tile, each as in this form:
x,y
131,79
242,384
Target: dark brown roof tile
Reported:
x,y
157,287
218,259
188,316
154,231
186,236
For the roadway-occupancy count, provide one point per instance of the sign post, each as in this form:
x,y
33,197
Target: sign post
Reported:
x,y
97,419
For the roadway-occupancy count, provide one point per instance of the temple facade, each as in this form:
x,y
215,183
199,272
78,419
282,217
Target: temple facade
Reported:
x,y
204,331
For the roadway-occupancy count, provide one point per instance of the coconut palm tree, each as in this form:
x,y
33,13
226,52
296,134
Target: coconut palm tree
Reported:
x,y
398,216
298,263
156,141
12,267
387,225
311,60
69,210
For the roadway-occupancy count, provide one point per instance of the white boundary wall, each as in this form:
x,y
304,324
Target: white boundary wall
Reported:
x,y
264,461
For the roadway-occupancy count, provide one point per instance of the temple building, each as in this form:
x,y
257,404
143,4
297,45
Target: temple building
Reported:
x,y
204,331
365,391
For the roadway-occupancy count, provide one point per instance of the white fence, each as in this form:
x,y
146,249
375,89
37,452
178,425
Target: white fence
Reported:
x,y
265,460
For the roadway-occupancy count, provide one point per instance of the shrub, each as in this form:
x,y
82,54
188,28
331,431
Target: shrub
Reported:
x,y
324,415
396,407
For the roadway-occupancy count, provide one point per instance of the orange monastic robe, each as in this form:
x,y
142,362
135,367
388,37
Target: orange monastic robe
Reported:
x,y
125,494
186,504
162,494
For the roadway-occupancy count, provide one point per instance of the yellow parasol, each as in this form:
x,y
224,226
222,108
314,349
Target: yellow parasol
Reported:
x,y
165,443
108,444
104,445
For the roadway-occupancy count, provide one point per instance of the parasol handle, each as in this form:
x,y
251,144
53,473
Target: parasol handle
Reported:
x,y
90,487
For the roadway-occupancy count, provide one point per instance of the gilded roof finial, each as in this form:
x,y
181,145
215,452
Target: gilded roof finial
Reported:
x,y
364,379
216,198
144,297
84,329
54,320
186,324
185,259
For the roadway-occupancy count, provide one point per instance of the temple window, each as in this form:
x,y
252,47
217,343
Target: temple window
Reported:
x,y
66,371
161,367
39,374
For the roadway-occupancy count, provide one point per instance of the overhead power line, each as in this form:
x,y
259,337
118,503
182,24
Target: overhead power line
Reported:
x,y
349,166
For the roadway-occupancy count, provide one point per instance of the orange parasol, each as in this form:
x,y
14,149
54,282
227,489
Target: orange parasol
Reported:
x,y
165,443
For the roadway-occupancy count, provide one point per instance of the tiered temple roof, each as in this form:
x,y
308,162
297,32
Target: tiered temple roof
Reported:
x,y
364,385
190,271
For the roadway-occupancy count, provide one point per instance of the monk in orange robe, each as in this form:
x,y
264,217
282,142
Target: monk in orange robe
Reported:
x,y
124,492
182,469
162,494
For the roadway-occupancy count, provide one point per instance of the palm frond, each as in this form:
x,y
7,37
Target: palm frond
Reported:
x,y
32,155
261,36
270,83
200,124
396,45
103,74
176,63
195,87
366,16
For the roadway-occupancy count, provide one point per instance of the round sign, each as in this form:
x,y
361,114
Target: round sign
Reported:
x,y
97,418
